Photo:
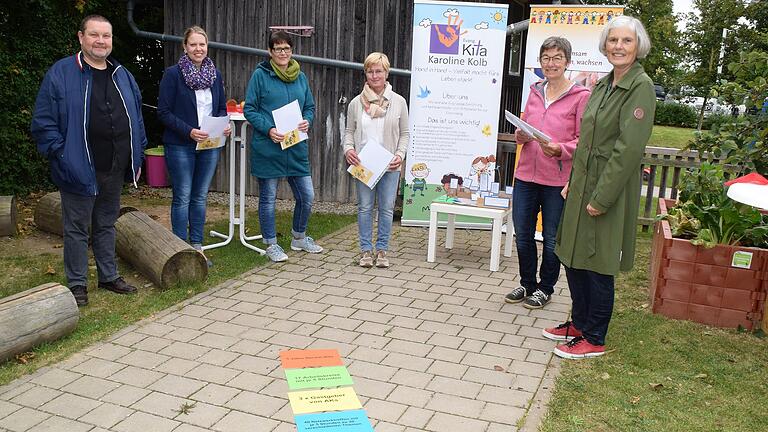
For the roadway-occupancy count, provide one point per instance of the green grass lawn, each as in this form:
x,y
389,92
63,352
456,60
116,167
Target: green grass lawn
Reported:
x,y
108,312
661,374
668,136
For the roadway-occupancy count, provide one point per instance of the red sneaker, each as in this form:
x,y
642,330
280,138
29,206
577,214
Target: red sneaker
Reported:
x,y
579,348
564,332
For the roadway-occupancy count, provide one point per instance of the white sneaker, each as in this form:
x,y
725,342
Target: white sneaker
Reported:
x,y
276,253
307,244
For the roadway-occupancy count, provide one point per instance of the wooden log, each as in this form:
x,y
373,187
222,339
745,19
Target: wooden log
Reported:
x,y
48,214
41,314
156,252
8,215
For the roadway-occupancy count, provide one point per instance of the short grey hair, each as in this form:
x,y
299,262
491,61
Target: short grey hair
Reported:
x,y
559,43
632,23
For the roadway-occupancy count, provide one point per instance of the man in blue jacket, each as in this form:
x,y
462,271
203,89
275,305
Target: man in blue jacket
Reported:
x,y
88,123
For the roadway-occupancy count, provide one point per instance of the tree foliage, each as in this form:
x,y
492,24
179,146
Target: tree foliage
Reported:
x,y
33,35
662,63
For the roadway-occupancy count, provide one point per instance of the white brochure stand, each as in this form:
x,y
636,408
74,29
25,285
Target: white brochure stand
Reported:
x,y
238,141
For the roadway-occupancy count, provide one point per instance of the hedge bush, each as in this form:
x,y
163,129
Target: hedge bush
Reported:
x,y
675,114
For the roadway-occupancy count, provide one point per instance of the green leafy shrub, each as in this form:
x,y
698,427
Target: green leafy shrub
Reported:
x,y
707,217
714,122
675,114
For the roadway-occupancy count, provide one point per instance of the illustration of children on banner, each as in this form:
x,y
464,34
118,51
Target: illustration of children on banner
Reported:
x,y
420,173
483,171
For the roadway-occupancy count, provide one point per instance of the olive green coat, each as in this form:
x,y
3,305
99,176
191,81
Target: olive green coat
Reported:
x,y
606,174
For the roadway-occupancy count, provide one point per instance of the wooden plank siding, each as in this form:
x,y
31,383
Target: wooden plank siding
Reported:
x,y
344,30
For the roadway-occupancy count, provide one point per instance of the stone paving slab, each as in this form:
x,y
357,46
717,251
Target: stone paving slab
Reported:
x,y
430,346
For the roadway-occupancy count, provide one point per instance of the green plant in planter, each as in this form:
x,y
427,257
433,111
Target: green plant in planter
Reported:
x,y
706,216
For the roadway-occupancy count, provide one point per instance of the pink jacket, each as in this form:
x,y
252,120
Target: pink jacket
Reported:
x,y
562,122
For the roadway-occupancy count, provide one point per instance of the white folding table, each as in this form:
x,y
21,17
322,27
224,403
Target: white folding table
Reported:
x,y
237,142
496,214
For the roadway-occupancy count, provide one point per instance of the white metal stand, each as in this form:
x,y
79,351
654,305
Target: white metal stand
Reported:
x,y
237,141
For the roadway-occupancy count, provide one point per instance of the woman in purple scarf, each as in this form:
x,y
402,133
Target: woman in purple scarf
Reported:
x,y
190,90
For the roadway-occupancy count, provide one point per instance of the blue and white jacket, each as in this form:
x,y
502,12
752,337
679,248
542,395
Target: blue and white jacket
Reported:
x,y
60,122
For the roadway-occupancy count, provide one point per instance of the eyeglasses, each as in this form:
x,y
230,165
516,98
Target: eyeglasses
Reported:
x,y
556,59
285,50
375,72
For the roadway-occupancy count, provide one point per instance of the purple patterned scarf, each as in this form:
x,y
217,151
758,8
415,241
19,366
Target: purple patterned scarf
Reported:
x,y
197,79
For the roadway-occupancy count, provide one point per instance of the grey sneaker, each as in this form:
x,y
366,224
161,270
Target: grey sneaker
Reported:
x,y
366,260
537,300
516,296
381,259
307,244
276,253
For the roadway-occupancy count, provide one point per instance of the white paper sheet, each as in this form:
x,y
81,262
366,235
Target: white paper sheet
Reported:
x,y
215,127
374,160
287,119
527,128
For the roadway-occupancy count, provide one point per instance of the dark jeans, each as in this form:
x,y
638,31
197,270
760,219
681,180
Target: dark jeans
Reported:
x,y
592,297
191,173
527,199
99,213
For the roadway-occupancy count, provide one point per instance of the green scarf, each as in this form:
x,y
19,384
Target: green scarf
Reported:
x,y
291,72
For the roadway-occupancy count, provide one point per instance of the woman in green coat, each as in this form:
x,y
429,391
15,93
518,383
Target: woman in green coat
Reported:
x,y
596,236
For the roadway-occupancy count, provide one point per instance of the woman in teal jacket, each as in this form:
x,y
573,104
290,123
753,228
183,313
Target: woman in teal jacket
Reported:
x,y
275,83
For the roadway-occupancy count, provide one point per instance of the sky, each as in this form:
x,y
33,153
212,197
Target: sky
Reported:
x,y
682,7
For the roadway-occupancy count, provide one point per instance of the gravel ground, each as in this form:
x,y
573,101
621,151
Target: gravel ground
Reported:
x,y
252,201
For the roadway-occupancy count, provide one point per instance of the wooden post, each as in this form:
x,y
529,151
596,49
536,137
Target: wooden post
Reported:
x,y
41,314
156,252
48,214
7,215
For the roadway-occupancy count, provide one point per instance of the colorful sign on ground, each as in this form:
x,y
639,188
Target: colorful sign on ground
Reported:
x,y
344,421
291,359
456,74
312,401
330,376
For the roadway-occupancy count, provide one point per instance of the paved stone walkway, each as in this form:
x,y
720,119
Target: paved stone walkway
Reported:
x,y
430,346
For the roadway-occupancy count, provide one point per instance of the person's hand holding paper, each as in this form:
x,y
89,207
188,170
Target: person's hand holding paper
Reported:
x,y
290,127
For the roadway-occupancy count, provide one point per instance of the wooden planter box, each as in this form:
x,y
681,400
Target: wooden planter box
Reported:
x,y
698,284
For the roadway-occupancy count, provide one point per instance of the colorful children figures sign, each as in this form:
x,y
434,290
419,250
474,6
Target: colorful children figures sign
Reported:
x,y
457,62
581,25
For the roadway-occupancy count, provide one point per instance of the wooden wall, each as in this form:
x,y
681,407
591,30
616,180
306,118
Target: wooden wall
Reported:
x,y
344,30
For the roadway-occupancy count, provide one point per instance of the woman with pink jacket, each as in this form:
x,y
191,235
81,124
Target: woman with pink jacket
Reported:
x,y
555,107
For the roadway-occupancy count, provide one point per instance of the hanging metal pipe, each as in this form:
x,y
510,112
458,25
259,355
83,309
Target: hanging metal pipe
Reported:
x,y
251,51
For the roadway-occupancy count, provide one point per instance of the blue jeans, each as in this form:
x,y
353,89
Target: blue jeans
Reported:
x,y
385,192
592,297
191,172
99,213
527,199
303,193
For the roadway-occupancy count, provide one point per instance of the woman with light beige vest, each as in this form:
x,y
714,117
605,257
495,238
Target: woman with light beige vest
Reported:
x,y
376,115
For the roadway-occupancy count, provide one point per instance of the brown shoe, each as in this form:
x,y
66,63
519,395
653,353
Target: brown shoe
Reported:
x,y
381,259
119,286
366,260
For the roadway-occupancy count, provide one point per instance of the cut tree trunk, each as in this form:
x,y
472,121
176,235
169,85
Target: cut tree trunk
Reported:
x,y
7,215
48,214
156,252
44,313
